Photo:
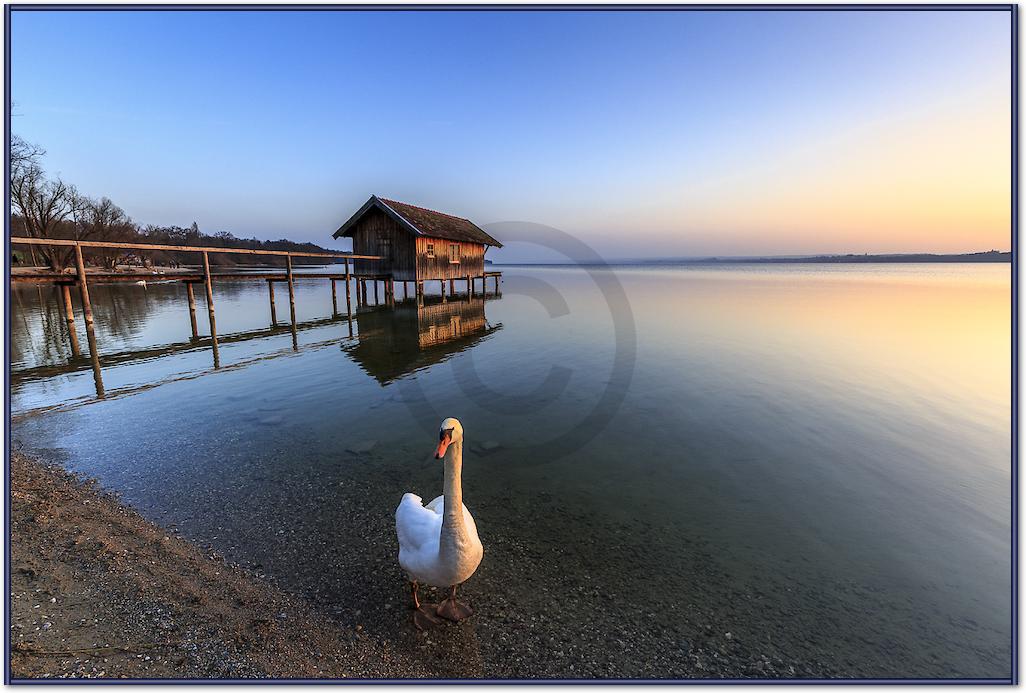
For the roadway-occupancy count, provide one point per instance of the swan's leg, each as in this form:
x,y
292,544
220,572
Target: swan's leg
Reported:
x,y
452,609
423,616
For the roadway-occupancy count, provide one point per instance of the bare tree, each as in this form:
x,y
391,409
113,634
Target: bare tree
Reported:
x,y
102,220
24,154
44,205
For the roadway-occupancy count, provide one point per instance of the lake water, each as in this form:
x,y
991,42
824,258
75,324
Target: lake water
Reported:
x,y
815,460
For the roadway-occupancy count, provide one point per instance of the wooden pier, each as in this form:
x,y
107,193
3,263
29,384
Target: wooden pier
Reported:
x,y
82,280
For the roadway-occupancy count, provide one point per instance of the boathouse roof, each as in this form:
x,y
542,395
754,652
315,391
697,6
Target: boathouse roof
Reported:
x,y
422,222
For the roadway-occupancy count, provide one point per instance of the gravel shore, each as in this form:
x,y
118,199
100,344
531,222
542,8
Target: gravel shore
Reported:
x,y
97,591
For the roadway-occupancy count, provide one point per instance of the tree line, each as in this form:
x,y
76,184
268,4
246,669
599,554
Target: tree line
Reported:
x,y
49,207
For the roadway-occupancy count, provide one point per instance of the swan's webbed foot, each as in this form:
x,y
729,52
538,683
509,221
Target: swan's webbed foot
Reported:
x,y
454,610
424,617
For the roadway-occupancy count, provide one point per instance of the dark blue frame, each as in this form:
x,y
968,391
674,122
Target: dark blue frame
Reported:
x,y
1013,11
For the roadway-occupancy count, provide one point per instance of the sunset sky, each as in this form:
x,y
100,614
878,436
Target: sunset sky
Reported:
x,y
641,133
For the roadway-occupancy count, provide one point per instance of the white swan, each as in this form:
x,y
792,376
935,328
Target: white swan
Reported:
x,y
438,543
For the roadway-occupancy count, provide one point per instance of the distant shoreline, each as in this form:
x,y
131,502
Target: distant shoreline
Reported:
x,y
992,256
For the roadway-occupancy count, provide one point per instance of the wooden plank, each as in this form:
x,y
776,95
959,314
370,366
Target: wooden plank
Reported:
x,y
440,266
181,248
196,277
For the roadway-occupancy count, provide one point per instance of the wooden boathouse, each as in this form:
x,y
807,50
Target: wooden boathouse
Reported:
x,y
414,244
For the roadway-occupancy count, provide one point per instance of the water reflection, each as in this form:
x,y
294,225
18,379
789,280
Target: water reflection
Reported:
x,y
393,340
413,335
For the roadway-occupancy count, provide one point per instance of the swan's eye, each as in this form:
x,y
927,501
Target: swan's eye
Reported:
x,y
445,433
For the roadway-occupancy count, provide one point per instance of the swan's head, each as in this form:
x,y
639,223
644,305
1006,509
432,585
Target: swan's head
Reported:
x,y
451,431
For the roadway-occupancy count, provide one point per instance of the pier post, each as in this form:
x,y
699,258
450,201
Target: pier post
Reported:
x,y
349,305
87,307
270,296
441,285
94,356
210,309
349,302
334,300
496,285
452,287
470,286
192,309
69,316
376,301
406,289
292,292
363,289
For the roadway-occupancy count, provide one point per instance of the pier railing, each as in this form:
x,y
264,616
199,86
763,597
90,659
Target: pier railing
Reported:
x,y
83,285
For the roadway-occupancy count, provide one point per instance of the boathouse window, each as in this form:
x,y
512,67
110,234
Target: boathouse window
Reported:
x,y
385,248
430,249
454,253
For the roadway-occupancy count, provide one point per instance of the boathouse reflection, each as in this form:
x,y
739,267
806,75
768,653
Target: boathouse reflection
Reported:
x,y
416,334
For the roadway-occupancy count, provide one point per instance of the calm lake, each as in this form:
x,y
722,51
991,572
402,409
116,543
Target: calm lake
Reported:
x,y
805,469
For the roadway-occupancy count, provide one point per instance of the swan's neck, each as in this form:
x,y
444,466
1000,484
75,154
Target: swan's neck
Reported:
x,y
452,517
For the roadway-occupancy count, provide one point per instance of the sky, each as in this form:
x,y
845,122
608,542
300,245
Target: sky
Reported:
x,y
642,134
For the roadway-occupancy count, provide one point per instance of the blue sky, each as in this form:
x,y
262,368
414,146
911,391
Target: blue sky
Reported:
x,y
642,133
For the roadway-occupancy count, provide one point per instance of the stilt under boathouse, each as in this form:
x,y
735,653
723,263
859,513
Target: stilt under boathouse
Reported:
x,y
416,245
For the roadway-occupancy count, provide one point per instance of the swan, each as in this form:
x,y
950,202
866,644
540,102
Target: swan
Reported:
x,y
438,542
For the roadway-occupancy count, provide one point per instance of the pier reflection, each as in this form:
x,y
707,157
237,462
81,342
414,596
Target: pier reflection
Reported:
x,y
386,341
392,342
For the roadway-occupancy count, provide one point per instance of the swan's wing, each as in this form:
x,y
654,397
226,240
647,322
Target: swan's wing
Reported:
x,y
437,505
468,519
416,525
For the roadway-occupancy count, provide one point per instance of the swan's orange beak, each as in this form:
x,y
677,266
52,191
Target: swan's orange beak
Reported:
x,y
444,438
